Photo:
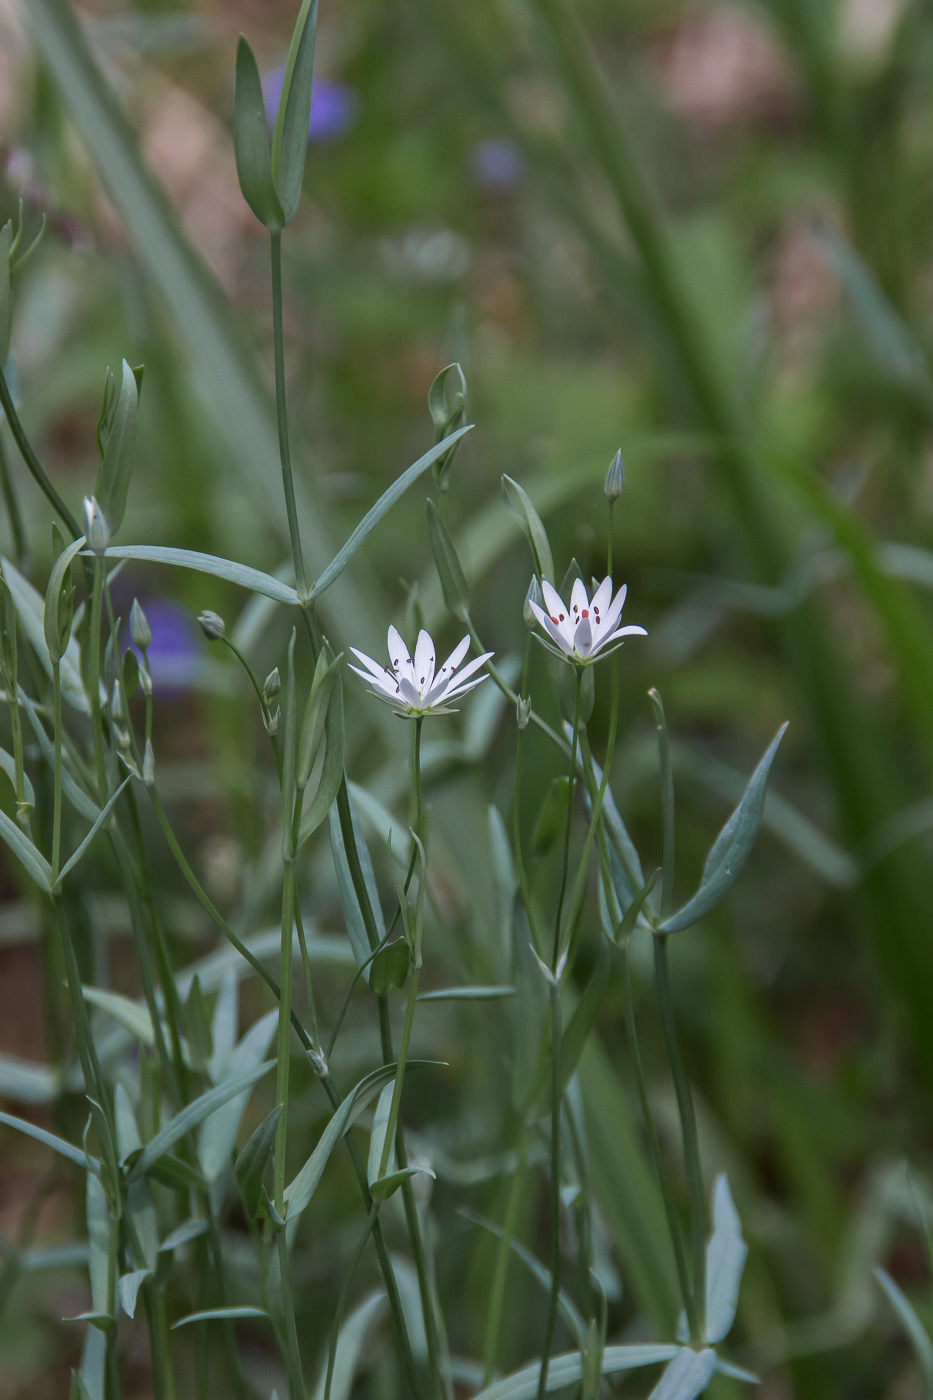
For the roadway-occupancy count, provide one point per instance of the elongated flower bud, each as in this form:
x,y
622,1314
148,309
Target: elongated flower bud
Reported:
x,y
96,529
615,478
149,765
212,625
272,685
523,711
139,626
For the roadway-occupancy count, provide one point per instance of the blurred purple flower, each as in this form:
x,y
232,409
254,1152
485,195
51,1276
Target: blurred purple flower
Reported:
x,y
175,652
496,164
333,105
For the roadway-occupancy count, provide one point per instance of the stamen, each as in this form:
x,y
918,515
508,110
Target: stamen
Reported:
x,y
561,617
586,612
554,620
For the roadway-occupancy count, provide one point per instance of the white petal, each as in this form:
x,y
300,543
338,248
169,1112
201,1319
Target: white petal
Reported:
x,y
462,689
552,599
578,599
424,662
384,684
398,654
470,668
409,693
617,635
583,638
602,597
554,632
369,663
455,657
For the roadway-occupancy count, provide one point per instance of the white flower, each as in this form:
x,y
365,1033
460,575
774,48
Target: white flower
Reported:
x,y
411,685
584,628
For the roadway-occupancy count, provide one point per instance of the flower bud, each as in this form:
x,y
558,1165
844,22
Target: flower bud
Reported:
x,y
212,625
615,478
149,765
116,703
96,529
272,685
523,711
272,723
532,596
318,1062
139,626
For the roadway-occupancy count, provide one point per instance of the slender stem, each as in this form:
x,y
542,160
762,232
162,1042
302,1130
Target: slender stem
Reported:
x,y
57,772
284,1037
344,1294
555,1187
503,1258
400,1072
32,462
566,856
516,815
609,541
282,415
13,510
688,1127
667,802
579,890
296,1383
94,679
673,1224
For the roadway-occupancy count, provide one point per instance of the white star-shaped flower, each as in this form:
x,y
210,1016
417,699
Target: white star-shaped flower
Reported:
x,y
585,628
411,685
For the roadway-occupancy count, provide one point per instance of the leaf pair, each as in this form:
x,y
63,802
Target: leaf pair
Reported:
x,y
271,179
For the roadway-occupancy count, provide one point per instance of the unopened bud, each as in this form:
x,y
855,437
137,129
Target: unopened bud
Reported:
x,y
149,765
532,596
212,625
272,685
615,478
116,703
318,1062
145,679
140,630
272,723
96,529
523,711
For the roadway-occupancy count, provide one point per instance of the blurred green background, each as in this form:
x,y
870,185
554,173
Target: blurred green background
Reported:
x,y
701,232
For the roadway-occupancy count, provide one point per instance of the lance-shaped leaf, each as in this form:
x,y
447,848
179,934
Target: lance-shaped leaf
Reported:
x,y
385,1186
65,1149
251,1162
518,504
129,1014
251,141
99,1226
56,630
352,914
349,1351
389,968
299,1191
31,859
102,816
219,1132
194,1114
687,1376
241,574
385,502
627,926
30,614
26,1081
187,1230
919,1338
731,848
290,135
467,994
312,724
567,1370
128,1288
6,292
454,586
332,770
220,1315
113,476
726,1252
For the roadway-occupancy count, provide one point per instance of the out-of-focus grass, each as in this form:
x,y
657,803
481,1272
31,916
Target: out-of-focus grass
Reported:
x,y
633,263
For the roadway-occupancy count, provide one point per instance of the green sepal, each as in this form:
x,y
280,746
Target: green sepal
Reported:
x,y
119,455
251,141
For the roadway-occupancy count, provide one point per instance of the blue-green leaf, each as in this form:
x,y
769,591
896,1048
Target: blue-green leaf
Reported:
x,y
467,994
66,1149
731,848
567,1370
726,1252
194,1114
290,136
518,504
919,1338
219,1315
251,141
113,477
241,574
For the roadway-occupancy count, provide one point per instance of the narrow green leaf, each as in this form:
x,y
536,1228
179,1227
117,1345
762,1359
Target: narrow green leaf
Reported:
x,y
127,1129
30,614
454,586
385,502
6,291
218,1133
31,859
171,1171
251,1162
130,1014
332,771
584,1016
351,1342
128,1288
467,994
627,926
187,1230
113,477
220,1315
731,848
377,1136
51,623
27,1082
99,1226
194,1114
567,1370
916,1332
65,1149
240,574
312,724
726,1252
80,852
8,766
251,141
290,135
518,504
385,1186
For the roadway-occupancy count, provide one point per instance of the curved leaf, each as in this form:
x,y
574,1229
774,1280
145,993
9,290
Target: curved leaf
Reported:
x,y
65,1149
567,1370
194,1114
251,140
726,1252
113,477
219,1315
290,136
241,574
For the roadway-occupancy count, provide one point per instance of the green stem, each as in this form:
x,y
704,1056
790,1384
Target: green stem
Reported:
x,y
503,1258
555,1187
344,1294
14,512
94,684
579,890
57,772
673,1224
565,863
284,1037
32,462
282,415
609,541
296,1383
688,1127
516,815
667,805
